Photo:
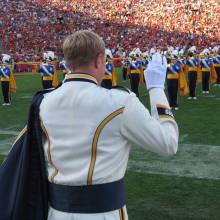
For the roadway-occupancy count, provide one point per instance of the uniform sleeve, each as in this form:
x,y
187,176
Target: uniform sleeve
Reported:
x,y
157,132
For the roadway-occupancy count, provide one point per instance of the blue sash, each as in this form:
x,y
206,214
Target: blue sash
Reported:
x,y
87,199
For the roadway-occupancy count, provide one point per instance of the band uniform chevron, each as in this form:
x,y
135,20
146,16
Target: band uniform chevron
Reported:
x,y
95,142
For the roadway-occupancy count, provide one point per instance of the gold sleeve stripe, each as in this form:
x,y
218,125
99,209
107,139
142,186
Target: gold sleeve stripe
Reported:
x,y
20,134
95,142
82,76
49,154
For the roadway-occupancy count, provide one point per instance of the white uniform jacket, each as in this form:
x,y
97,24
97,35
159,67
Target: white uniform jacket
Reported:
x,y
89,131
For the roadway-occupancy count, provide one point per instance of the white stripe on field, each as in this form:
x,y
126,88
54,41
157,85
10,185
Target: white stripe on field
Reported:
x,y
6,132
27,97
196,161
5,145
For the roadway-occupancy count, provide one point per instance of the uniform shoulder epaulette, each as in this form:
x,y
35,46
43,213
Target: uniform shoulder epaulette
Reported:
x,y
122,88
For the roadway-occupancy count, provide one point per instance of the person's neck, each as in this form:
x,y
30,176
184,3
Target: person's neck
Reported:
x,y
90,71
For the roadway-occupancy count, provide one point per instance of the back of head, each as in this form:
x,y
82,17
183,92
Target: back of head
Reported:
x,y
81,48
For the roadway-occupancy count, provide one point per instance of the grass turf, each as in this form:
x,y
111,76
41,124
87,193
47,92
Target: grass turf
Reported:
x,y
151,196
158,197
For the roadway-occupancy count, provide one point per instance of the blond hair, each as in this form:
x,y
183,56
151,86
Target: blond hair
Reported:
x,y
81,48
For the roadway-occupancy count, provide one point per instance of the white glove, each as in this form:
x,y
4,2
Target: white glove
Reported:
x,y
155,74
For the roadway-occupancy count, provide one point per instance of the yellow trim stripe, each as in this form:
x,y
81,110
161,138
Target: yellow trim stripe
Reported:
x,y
49,154
47,78
5,79
65,71
205,69
165,116
172,76
135,72
193,69
216,65
95,142
121,214
83,76
20,134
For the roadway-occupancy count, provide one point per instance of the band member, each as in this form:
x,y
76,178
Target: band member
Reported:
x,y
63,67
144,62
47,72
216,64
126,68
135,66
193,64
173,70
205,64
7,80
107,79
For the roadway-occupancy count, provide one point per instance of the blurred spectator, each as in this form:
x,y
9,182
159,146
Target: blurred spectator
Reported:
x,y
29,27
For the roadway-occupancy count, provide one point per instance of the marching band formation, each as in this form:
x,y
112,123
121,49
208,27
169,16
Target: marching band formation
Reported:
x,y
184,72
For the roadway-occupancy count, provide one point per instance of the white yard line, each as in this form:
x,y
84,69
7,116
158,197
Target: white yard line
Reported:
x,y
5,145
207,96
197,161
183,137
27,97
8,132
12,127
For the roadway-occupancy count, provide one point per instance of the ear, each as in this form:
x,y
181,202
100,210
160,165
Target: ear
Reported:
x,y
100,59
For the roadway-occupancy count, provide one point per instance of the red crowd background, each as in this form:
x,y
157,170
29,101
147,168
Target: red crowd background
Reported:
x,y
30,27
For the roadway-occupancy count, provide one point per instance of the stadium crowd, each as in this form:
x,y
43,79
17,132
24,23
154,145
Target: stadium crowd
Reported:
x,y
30,27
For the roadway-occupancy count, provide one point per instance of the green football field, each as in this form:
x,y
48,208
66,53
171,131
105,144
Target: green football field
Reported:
x,y
183,187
